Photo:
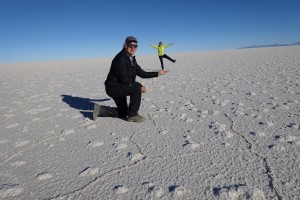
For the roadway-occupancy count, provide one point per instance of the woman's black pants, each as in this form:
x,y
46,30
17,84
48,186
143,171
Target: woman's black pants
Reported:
x,y
161,60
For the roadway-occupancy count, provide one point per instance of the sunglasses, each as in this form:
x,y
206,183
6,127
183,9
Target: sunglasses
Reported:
x,y
132,45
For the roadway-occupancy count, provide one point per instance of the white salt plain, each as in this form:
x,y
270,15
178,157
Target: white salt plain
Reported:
x,y
220,125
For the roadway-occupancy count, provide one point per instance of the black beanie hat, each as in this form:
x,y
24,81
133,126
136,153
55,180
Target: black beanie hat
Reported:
x,y
130,39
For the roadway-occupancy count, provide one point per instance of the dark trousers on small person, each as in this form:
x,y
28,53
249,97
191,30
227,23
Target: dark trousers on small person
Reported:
x,y
119,95
162,62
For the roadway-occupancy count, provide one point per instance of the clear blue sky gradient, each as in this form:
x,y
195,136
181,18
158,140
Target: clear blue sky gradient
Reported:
x,y
43,30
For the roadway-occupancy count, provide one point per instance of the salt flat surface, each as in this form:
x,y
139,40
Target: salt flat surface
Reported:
x,y
220,125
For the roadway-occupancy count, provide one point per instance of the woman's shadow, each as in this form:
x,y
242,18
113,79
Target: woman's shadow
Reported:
x,y
85,105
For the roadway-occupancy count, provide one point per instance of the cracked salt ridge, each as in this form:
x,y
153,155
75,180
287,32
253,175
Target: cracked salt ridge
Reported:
x,y
189,147
268,170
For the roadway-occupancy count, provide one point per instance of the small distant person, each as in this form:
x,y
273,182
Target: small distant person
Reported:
x,y
161,53
121,83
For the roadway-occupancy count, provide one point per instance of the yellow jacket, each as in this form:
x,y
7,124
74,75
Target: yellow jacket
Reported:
x,y
160,49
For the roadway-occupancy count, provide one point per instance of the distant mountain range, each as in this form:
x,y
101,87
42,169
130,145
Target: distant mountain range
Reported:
x,y
270,45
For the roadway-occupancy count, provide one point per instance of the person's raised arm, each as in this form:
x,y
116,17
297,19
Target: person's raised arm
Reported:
x,y
168,45
152,45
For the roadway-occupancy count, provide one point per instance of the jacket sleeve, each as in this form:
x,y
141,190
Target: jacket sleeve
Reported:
x,y
156,47
168,45
143,74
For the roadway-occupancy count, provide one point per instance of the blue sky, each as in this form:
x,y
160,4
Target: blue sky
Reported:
x,y
43,30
